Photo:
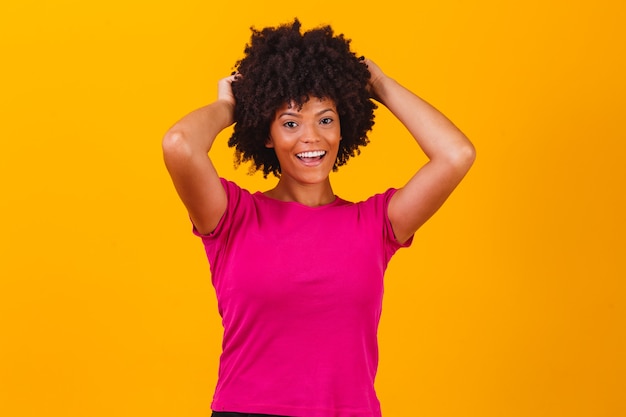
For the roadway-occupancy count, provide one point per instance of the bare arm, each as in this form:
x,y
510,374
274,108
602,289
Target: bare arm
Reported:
x,y
185,151
449,151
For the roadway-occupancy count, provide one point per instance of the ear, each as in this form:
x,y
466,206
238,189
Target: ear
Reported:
x,y
269,143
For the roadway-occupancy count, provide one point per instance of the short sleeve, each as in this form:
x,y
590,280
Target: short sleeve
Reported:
x,y
390,242
238,203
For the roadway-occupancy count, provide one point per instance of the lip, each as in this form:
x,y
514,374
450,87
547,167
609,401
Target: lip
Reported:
x,y
311,161
315,151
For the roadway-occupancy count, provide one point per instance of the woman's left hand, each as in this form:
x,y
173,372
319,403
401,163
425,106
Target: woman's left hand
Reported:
x,y
376,76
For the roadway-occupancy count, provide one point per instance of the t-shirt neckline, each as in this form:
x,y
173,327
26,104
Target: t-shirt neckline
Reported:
x,y
338,200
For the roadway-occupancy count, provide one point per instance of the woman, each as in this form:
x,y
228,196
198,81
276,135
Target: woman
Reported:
x,y
298,272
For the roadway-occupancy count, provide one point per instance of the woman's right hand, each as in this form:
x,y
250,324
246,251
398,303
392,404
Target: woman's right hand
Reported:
x,y
225,89
185,150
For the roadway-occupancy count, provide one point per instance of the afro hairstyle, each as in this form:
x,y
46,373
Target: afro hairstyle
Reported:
x,y
282,65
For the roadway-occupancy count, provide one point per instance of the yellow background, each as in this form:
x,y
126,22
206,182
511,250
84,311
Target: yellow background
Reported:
x,y
511,301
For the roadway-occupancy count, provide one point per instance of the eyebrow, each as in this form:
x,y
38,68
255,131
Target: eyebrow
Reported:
x,y
297,114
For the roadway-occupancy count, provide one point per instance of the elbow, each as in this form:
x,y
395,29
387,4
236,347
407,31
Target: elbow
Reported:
x,y
463,158
469,154
175,146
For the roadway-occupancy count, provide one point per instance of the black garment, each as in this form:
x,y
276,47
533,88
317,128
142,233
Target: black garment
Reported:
x,y
229,414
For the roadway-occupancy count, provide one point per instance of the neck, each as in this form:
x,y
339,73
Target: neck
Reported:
x,y
312,195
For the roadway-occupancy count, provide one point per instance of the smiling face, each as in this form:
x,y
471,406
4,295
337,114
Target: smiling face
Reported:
x,y
306,141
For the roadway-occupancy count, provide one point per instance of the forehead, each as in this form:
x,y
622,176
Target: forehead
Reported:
x,y
313,104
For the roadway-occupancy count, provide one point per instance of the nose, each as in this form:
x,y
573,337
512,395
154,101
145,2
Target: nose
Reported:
x,y
309,134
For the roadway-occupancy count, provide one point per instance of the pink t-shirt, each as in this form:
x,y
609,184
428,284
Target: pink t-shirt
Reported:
x,y
300,293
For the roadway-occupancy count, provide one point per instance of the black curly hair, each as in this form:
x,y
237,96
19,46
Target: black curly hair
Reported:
x,y
282,65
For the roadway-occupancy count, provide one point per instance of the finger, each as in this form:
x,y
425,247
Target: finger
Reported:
x,y
234,76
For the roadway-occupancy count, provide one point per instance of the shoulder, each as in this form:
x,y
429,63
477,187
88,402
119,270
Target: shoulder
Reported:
x,y
373,209
237,195
376,208
379,201
239,202
231,187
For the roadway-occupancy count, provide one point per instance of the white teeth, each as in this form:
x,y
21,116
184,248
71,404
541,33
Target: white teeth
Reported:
x,y
311,154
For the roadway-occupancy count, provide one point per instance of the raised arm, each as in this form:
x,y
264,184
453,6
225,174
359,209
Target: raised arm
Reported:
x,y
185,151
449,151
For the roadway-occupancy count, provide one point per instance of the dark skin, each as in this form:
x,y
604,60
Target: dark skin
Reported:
x,y
450,154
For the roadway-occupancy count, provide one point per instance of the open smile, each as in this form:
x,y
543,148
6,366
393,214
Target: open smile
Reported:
x,y
311,157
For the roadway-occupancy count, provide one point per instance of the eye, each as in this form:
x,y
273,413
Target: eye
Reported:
x,y
290,124
326,120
